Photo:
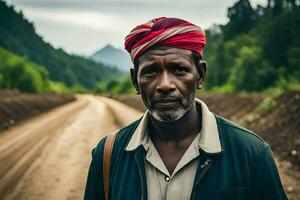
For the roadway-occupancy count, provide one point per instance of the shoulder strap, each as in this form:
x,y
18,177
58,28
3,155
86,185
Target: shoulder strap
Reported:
x,y
108,148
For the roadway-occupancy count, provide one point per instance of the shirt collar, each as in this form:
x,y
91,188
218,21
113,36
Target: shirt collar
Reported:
x,y
209,140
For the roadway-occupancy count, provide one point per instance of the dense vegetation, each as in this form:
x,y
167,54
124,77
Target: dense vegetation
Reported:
x,y
18,36
17,72
257,49
116,86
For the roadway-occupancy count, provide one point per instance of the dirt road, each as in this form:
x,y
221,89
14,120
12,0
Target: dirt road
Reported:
x,y
47,157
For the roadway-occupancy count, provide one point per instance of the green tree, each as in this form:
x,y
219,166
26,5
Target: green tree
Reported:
x,y
242,18
251,72
126,86
100,88
19,73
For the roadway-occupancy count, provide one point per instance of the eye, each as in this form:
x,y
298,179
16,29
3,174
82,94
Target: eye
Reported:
x,y
180,69
150,72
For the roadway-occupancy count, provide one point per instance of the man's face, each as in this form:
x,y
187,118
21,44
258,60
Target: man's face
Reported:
x,y
167,80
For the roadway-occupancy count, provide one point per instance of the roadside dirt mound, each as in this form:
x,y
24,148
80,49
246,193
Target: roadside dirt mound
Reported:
x,y
16,106
231,106
280,127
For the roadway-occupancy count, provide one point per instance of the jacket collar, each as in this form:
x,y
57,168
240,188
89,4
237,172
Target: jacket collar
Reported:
x,y
209,140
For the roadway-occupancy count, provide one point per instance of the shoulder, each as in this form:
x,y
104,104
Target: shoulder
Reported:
x,y
236,136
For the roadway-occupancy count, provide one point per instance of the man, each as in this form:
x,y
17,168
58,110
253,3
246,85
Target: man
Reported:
x,y
179,149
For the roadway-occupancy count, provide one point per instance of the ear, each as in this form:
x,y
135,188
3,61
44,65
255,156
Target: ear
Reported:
x,y
133,74
202,74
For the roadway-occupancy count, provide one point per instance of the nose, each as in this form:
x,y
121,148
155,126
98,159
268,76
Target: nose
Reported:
x,y
165,84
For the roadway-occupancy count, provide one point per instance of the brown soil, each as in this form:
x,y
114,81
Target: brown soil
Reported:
x,y
231,106
16,106
47,157
279,126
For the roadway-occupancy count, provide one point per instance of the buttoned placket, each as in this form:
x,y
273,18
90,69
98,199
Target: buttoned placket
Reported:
x,y
154,164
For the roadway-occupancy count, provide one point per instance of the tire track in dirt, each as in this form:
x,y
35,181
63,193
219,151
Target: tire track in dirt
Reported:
x,y
47,157
123,114
20,145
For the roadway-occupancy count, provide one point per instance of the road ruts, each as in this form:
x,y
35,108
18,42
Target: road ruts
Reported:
x,y
47,157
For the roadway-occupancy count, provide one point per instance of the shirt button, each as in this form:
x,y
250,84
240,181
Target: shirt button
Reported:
x,y
167,178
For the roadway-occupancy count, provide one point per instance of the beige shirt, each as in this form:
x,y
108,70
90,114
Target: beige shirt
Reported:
x,y
178,185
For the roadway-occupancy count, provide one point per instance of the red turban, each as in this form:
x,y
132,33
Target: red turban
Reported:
x,y
164,31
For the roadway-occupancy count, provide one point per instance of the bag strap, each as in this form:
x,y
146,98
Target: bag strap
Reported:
x,y
108,148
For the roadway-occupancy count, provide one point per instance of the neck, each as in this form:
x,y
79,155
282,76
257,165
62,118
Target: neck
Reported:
x,y
187,126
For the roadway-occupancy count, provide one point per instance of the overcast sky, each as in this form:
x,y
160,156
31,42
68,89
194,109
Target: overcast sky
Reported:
x,y
84,26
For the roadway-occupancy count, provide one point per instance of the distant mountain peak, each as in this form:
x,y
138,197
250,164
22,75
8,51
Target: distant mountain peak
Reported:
x,y
113,56
107,47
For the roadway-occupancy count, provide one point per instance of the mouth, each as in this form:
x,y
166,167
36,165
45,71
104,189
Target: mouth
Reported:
x,y
166,102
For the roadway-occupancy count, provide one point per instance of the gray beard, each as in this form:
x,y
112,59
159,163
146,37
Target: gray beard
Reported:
x,y
171,115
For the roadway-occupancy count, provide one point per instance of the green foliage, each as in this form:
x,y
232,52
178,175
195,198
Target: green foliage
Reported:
x,y
79,89
126,86
19,73
262,55
242,18
58,87
283,85
218,71
226,88
123,86
294,61
100,88
18,36
250,71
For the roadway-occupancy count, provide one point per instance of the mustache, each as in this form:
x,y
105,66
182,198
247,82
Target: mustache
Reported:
x,y
167,97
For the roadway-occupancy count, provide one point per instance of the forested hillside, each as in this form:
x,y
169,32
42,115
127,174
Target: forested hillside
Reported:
x,y
257,49
19,73
18,36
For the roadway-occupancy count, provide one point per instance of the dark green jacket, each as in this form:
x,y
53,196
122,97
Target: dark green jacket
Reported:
x,y
245,169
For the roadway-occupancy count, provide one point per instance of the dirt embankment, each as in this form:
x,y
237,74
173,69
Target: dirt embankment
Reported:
x,y
280,126
16,106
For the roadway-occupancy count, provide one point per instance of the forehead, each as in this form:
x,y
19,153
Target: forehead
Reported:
x,y
165,54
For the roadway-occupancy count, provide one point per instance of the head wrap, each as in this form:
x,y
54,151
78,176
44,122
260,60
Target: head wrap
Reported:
x,y
164,31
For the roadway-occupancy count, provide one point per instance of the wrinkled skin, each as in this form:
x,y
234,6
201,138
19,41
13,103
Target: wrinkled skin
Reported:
x,y
167,80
